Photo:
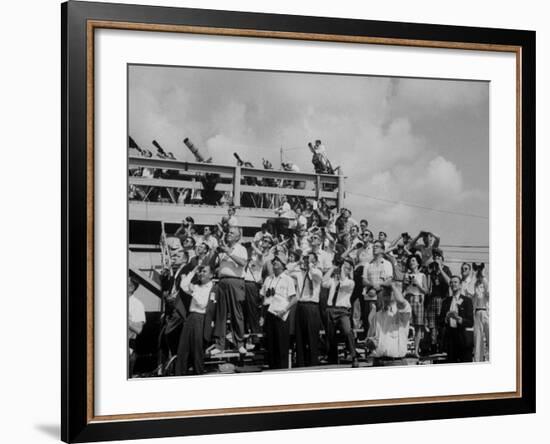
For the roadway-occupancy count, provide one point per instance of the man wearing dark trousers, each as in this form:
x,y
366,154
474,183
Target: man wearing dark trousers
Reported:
x,y
231,293
308,315
457,319
339,281
191,344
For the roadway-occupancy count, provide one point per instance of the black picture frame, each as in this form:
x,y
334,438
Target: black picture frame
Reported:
x,y
77,424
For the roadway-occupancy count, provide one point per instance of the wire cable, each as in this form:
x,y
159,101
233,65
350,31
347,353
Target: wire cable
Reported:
x,y
408,204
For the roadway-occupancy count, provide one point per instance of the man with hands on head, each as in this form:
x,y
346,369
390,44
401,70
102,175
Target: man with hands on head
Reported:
x,y
389,335
376,274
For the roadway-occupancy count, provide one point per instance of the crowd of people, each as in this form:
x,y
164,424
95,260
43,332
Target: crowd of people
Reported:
x,y
311,278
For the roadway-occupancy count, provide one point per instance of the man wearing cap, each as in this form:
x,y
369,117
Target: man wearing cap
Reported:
x,y
231,293
279,296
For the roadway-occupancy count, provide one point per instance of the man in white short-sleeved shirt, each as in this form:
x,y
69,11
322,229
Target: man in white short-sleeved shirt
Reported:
x,y
389,332
231,291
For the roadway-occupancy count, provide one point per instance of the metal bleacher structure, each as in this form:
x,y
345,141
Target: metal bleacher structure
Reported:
x,y
156,185
170,178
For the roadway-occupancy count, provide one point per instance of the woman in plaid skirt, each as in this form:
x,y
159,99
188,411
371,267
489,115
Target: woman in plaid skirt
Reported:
x,y
415,287
440,276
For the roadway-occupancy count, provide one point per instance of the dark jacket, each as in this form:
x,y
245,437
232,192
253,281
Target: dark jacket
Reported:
x,y
466,312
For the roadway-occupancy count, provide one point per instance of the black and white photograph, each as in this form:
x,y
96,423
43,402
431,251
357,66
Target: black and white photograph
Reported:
x,y
291,221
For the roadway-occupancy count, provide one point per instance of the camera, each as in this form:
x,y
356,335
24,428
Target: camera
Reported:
x,y
338,261
478,267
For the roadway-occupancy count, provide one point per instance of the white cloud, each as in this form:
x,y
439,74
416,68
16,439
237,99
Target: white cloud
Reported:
x,y
369,126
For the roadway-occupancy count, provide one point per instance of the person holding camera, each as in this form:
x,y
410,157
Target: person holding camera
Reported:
x,y
340,283
440,276
279,296
415,287
308,313
457,318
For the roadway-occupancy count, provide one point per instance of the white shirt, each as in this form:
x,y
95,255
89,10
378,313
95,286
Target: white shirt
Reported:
x,y
200,293
324,258
468,286
364,255
136,312
283,286
344,292
309,285
212,242
286,211
481,295
392,331
230,268
302,221
454,307
377,271
253,271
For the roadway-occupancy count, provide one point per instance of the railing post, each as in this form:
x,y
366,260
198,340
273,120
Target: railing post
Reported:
x,y
317,187
237,186
340,202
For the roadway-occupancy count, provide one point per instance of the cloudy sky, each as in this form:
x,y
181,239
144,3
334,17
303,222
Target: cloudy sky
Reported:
x,y
403,143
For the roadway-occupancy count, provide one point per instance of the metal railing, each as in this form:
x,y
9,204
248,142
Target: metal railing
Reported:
x,y
236,180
